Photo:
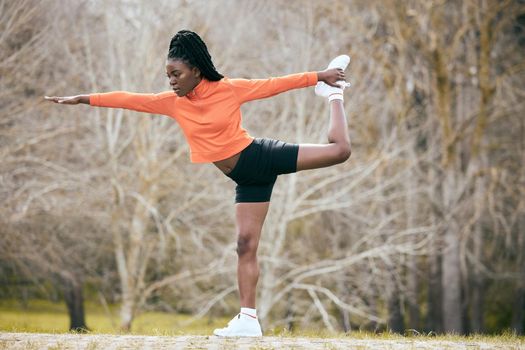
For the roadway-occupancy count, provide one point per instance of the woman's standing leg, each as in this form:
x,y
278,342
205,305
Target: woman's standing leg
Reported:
x,y
249,219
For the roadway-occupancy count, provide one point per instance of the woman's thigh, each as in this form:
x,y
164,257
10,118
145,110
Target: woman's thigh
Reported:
x,y
250,218
313,156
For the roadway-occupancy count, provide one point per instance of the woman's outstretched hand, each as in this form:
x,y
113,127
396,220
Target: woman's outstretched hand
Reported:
x,y
68,100
331,76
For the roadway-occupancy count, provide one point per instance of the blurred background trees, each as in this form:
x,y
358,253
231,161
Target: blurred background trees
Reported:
x,y
422,229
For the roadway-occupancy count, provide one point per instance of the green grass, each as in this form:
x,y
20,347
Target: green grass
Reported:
x,y
47,317
42,316
506,337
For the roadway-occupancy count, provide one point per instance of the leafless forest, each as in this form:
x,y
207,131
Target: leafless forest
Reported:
x,y
423,228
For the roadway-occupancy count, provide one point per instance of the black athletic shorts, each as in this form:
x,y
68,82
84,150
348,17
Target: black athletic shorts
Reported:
x,y
258,167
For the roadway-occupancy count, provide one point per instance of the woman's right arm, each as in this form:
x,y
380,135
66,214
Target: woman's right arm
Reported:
x,y
149,103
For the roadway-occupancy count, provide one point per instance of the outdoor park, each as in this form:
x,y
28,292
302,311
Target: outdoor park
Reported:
x,y
112,237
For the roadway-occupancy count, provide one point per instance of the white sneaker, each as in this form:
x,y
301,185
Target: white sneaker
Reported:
x,y
325,90
242,325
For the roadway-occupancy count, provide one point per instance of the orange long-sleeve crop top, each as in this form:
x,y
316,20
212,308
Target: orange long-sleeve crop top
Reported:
x,y
210,115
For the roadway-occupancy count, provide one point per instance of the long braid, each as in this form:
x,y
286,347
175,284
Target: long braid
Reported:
x,y
189,47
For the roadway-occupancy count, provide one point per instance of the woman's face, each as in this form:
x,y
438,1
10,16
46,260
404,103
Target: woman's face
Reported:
x,y
183,79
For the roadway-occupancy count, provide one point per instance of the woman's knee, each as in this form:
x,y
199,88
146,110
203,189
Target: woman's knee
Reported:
x,y
342,152
246,243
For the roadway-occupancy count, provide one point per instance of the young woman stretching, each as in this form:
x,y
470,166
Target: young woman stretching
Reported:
x,y
207,107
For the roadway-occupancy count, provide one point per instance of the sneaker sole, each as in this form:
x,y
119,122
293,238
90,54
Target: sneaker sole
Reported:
x,y
237,335
341,61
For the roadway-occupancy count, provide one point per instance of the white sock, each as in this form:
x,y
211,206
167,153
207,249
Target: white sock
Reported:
x,y
335,96
248,311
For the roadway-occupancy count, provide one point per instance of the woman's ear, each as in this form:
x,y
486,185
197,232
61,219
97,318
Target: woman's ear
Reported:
x,y
196,72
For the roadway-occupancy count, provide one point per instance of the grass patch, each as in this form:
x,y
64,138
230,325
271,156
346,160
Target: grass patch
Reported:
x,y
503,339
41,316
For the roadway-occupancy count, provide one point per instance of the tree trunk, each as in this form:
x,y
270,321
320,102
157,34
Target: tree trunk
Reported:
x,y
434,318
132,253
127,312
345,320
374,326
478,283
413,305
477,306
396,322
451,281
344,314
289,314
75,306
412,272
518,316
451,272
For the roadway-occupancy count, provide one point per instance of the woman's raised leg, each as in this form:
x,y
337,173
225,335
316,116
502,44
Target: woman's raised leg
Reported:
x,y
312,156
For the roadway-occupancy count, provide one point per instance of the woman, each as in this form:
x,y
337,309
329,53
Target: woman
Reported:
x,y
207,107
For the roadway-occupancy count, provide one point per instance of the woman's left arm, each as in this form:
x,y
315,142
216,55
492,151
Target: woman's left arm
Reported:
x,y
253,89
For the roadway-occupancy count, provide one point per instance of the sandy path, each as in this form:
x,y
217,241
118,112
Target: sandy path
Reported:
x,y
97,341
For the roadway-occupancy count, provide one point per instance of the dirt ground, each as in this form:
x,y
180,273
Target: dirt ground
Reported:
x,y
106,342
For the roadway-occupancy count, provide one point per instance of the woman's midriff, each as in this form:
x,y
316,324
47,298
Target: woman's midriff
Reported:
x,y
227,165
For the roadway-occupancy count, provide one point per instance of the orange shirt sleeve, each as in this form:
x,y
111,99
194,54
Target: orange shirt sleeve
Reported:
x,y
149,103
253,89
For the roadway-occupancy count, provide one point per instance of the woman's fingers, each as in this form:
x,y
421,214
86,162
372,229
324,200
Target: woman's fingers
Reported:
x,y
52,98
55,99
335,76
62,99
339,83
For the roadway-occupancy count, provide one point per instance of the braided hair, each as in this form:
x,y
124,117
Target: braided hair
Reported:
x,y
188,47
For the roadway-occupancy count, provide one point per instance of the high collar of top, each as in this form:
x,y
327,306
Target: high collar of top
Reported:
x,y
201,90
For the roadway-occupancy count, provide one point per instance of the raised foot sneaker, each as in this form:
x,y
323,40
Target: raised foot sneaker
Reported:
x,y
325,90
242,325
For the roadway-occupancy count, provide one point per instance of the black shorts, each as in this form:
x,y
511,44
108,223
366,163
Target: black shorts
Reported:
x,y
258,167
